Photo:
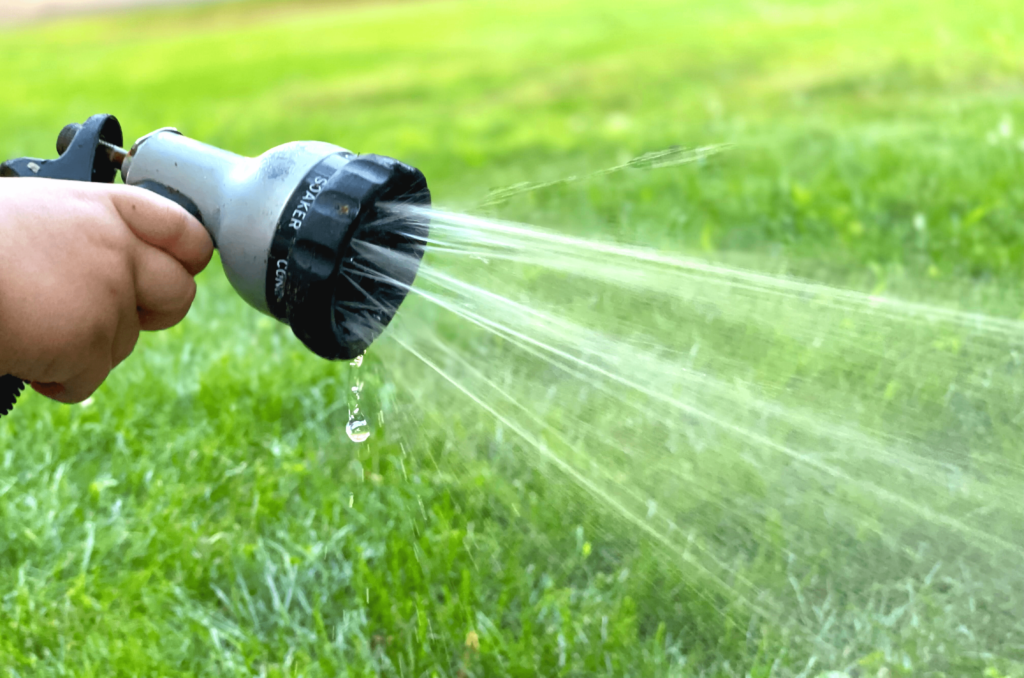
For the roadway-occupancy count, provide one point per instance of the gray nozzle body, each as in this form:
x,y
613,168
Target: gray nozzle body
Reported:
x,y
240,199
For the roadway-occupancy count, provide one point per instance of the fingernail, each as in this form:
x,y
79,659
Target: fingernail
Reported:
x,y
49,390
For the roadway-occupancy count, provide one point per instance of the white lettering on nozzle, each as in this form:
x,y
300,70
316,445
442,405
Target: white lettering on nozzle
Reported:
x,y
280,275
301,211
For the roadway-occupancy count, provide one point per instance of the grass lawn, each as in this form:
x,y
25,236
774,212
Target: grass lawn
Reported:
x,y
206,514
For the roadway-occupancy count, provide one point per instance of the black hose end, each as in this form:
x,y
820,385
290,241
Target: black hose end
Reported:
x,y
352,259
10,389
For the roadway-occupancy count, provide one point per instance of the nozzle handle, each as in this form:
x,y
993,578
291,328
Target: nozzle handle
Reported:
x,y
10,389
88,152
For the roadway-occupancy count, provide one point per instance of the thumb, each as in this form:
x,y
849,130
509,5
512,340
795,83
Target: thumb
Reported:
x,y
163,224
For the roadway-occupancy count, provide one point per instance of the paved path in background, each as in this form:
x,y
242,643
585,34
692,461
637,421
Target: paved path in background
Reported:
x,y
21,11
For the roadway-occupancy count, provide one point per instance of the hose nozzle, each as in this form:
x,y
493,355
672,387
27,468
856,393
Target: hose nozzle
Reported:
x,y
289,225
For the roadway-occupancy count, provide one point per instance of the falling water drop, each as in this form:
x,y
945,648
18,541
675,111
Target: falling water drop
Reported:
x,y
358,427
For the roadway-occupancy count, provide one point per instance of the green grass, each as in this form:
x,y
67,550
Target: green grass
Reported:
x,y
206,514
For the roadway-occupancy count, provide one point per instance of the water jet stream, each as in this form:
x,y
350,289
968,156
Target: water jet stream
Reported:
x,y
744,422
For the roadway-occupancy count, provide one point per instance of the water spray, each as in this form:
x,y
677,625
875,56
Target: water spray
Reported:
x,y
284,223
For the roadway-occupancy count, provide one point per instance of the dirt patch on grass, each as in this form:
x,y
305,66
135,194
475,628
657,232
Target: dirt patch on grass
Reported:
x,y
22,11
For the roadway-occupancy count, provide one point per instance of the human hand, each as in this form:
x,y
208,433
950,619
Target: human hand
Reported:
x,y
83,268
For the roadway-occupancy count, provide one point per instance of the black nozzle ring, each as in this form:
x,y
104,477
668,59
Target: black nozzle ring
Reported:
x,y
320,280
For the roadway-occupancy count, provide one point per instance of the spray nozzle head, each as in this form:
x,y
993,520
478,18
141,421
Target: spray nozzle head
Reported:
x,y
323,278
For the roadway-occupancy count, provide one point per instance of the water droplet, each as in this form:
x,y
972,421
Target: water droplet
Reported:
x,y
358,428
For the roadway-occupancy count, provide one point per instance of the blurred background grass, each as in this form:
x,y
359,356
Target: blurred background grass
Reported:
x,y
206,514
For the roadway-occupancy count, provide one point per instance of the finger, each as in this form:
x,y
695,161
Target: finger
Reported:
x,y
79,387
164,290
126,337
164,225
